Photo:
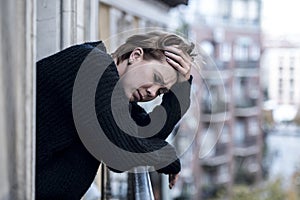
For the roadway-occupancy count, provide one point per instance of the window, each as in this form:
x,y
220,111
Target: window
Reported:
x,y
292,71
208,142
253,126
239,9
253,10
224,9
255,52
291,83
225,137
241,50
239,133
225,52
208,48
291,95
208,7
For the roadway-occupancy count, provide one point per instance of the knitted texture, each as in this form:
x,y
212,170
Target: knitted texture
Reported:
x,y
64,167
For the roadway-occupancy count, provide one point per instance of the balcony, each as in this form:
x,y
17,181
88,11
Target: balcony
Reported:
x,y
246,72
217,107
135,185
215,179
249,146
246,112
226,20
215,117
174,3
217,76
248,170
246,64
219,157
215,161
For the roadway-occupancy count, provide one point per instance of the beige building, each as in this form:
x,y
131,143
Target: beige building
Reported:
x,y
230,134
63,23
282,68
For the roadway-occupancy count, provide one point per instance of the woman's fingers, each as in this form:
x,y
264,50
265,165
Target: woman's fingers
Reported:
x,y
172,180
180,61
175,63
175,51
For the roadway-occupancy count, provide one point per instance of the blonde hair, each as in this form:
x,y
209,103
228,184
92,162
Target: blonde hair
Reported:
x,y
153,44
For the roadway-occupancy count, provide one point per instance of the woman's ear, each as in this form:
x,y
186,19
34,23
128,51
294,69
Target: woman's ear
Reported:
x,y
136,55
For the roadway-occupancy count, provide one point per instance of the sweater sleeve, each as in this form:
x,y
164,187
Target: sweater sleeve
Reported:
x,y
55,79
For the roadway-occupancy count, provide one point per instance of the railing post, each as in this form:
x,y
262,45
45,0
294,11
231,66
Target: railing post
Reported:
x,y
105,187
139,184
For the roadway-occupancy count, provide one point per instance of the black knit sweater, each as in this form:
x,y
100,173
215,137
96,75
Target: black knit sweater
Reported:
x,y
64,167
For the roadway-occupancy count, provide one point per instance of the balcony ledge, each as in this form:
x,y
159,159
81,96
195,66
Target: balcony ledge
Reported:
x,y
246,151
215,161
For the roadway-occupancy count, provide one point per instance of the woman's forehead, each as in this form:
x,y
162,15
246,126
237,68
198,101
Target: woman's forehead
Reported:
x,y
168,72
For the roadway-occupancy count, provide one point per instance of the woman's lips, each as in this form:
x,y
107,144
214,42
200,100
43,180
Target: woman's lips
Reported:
x,y
137,95
140,95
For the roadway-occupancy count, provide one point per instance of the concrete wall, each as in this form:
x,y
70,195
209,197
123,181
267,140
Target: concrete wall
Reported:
x,y
62,23
17,83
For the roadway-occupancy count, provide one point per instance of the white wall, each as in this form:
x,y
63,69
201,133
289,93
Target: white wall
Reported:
x,y
62,23
272,60
48,27
17,99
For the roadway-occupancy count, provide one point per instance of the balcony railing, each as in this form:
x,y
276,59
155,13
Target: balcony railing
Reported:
x,y
249,141
217,107
135,185
221,149
139,185
246,64
219,157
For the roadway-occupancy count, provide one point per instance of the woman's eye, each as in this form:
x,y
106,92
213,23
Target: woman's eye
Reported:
x,y
157,79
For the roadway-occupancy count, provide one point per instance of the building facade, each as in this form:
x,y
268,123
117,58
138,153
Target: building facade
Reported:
x,y
64,23
231,136
283,65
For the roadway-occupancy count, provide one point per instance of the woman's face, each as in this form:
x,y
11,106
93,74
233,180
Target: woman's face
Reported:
x,y
144,80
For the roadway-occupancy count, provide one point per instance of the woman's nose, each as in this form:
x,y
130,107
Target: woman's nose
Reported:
x,y
152,91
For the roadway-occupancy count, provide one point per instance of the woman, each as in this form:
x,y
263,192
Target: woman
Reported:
x,y
146,66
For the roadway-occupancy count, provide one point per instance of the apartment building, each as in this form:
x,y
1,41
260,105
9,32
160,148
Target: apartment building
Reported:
x,y
283,63
231,152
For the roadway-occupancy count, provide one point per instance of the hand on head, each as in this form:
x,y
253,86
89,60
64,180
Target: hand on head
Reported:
x,y
180,61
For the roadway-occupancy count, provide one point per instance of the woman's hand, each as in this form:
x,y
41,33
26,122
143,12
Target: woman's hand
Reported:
x,y
180,61
172,180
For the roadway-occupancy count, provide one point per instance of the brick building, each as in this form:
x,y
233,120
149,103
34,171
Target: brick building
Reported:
x,y
230,135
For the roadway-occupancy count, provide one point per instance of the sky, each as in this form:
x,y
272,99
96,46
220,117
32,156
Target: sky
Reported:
x,y
281,17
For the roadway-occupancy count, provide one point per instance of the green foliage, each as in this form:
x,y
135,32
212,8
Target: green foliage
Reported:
x,y
242,192
268,191
242,176
274,191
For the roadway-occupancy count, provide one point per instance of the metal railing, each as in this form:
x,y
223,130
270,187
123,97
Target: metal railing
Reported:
x,y
139,185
